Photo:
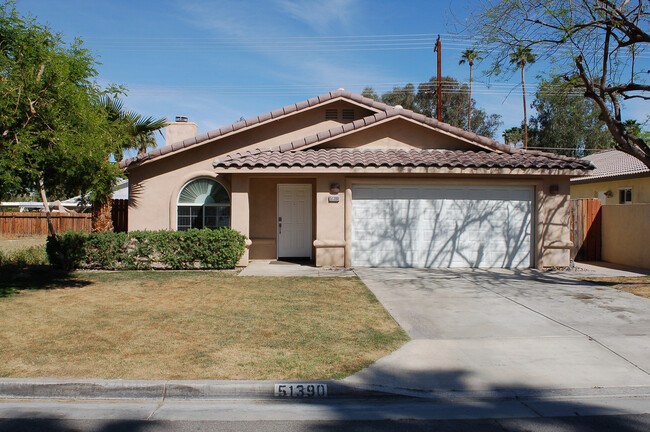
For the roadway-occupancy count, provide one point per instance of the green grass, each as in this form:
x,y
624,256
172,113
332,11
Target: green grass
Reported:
x,y
191,325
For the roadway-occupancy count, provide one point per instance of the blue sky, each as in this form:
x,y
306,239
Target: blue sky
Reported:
x,y
217,61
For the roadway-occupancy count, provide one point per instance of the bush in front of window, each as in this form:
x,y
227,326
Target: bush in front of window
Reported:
x,y
143,250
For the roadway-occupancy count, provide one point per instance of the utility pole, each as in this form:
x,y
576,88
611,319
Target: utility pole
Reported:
x,y
439,51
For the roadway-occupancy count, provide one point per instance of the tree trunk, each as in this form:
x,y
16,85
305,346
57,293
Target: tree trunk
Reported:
x,y
46,205
469,106
523,86
102,219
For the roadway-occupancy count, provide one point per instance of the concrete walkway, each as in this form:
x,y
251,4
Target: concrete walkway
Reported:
x,y
477,330
291,269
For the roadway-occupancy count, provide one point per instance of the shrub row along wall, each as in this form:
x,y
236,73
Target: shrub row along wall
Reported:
x,y
143,250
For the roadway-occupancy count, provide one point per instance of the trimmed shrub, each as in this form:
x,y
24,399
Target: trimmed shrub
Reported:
x,y
193,249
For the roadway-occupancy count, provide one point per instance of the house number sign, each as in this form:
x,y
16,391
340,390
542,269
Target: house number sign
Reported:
x,y
295,390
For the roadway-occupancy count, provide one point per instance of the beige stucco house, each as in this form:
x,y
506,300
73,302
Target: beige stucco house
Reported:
x,y
348,181
617,179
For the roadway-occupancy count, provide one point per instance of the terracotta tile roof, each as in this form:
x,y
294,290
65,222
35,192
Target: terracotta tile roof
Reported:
x,y
387,114
612,163
273,115
400,158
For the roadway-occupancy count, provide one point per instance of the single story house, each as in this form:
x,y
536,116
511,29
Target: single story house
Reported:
x,y
617,179
347,181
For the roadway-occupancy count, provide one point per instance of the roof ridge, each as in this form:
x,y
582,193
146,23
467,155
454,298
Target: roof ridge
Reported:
x,y
241,124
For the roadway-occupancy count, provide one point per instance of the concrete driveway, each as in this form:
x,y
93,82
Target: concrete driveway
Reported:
x,y
477,330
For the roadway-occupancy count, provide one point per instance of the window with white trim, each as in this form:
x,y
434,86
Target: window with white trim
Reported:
x,y
203,203
624,196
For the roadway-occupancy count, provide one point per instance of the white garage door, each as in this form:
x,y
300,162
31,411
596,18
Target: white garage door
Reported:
x,y
441,226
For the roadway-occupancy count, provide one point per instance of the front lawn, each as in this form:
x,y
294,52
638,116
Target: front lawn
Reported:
x,y
190,325
639,285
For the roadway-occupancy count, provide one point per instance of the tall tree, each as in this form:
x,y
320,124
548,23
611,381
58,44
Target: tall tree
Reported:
x,y
454,99
469,56
370,93
53,137
565,122
404,96
596,41
521,57
138,128
513,135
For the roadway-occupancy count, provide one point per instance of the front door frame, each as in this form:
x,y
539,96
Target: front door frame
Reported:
x,y
308,218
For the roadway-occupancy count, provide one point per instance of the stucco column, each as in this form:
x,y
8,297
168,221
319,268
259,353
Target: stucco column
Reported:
x,y
330,222
240,211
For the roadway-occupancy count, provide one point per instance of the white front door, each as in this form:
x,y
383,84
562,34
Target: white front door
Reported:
x,y
294,220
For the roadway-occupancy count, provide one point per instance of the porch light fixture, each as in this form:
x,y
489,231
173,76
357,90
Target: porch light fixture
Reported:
x,y
335,188
554,189
609,194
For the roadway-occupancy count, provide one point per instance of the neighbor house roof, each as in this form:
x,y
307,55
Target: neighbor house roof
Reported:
x,y
383,112
400,158
612,164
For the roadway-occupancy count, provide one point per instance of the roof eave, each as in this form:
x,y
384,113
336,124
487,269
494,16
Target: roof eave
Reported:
x,y
398,170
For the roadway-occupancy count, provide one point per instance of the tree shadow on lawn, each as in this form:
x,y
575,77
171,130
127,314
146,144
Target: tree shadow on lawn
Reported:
x,y
37,277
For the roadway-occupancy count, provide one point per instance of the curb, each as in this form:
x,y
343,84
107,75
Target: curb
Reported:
x,y
205,390
54,388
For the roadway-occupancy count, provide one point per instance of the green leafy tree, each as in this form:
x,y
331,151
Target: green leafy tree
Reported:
x,y
404,96
521,57
513,136
594,44
566,123
370,93
454,100
469,56
53,136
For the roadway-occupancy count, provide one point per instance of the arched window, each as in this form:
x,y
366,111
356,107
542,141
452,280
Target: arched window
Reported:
x,y
203,203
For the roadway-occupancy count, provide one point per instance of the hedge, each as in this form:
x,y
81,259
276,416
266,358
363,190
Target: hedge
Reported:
x,y
143,250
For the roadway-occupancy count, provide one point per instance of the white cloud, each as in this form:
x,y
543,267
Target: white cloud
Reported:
x,y
319,15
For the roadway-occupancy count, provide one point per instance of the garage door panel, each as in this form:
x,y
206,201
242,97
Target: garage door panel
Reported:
x,y
441,226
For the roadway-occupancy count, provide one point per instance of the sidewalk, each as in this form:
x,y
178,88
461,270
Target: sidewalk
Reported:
x,y
292,269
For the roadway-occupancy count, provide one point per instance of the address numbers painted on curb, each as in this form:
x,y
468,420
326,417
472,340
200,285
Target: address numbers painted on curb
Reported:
x,y
295,390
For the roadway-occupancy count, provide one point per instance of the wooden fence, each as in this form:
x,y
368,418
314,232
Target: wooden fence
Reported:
x,y
33,223
120,214
586,222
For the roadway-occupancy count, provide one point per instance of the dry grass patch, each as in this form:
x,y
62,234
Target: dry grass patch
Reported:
x,y
10,243
194,325
639,285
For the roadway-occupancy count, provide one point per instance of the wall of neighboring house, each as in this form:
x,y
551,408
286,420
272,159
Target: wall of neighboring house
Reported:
x,y
626,234
640,190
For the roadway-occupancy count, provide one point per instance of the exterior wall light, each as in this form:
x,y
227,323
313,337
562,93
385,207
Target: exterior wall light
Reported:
x,y
554,189
335,188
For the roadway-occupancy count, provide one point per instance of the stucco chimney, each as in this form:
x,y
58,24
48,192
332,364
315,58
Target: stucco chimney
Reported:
x,y
179,130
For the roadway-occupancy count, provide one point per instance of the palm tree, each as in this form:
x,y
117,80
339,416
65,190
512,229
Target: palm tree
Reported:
x,y
520,58
139,129
469,56
138,132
